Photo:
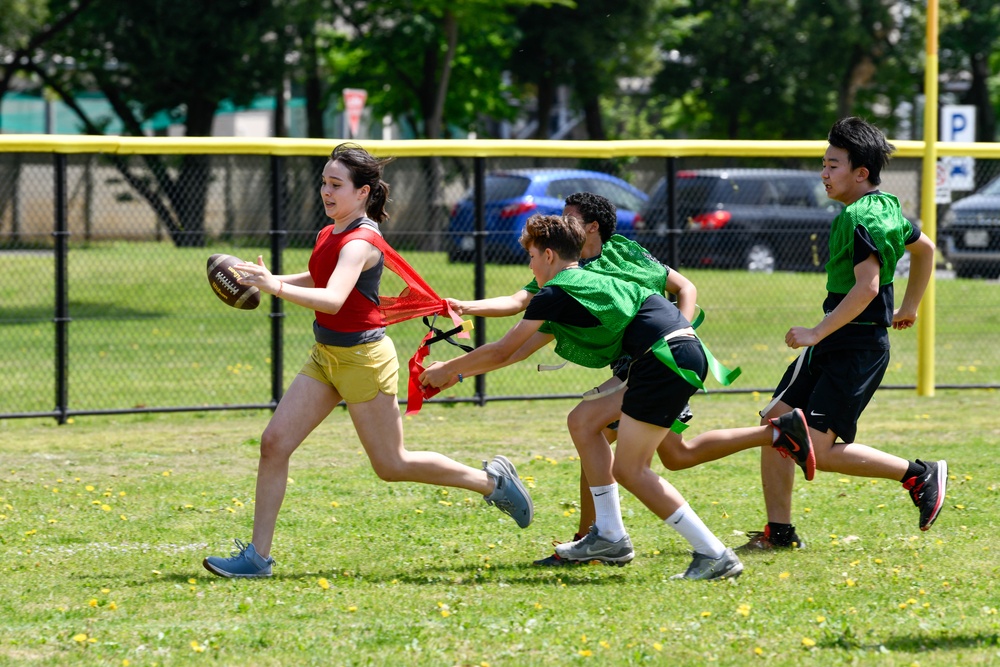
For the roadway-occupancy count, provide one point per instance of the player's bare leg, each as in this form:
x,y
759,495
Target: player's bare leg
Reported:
x,y
302,408
380,429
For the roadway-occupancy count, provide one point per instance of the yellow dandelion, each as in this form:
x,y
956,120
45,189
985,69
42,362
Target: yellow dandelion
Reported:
x,y
445,613
585,653
706,614
784,575
849,582
758,650
196,647
902,605
820,619
166,473
105,590
604,644
106,508
743,610
658,646
352,608
538,605
878,561
112,606
808,643
418,511
80,637
323,583
92,603
334,504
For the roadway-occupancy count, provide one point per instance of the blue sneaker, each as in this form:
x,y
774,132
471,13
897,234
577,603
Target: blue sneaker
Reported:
x,y
245,562
509,496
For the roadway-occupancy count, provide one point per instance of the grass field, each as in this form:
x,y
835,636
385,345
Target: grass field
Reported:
x,y
146,330
104,522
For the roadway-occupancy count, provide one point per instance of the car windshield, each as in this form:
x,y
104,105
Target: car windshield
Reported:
x,y
710,190
504,186
991,189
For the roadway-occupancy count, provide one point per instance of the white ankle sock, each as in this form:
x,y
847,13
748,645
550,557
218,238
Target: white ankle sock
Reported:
x,y
609,512
686,522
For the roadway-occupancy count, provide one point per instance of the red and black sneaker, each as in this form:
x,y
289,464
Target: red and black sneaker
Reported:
x,y
794,440
555,560
760,540
927,490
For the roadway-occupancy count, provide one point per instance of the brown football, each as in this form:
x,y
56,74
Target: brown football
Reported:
x,y
223,277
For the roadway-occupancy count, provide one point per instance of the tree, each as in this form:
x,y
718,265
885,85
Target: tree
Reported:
x,y
153,56
785,70
597,45
434,65
970,36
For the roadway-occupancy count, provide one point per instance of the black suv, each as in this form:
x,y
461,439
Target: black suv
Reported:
x,y
753,219
970,232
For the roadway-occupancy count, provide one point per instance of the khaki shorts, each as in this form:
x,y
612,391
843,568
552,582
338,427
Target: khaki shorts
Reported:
x,y
357,373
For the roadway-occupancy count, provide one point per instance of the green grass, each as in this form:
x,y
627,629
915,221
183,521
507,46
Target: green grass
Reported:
x,y
104,522
146,330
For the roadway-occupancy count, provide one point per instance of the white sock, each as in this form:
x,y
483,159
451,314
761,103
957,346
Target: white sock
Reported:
x,y
686,522
609,512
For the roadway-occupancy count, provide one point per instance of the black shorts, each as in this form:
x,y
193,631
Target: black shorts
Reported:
x,y
833,388
657,395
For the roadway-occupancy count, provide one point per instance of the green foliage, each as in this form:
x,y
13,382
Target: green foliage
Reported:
x,y
104,523
770,69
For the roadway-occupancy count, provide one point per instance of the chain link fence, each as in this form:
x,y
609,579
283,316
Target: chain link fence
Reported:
x,y
104,304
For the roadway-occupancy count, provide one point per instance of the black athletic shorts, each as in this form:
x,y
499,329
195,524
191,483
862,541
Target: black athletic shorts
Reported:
x,y
657,395
833,388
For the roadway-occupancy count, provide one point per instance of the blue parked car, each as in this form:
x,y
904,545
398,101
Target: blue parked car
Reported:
x,y
512,196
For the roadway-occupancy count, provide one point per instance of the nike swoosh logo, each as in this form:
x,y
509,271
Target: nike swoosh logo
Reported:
x,y
598,495
813,413
792,444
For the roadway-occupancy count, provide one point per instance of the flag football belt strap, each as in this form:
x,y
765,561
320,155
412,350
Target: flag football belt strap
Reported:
x,y
661,349
447,335
799,363
595,392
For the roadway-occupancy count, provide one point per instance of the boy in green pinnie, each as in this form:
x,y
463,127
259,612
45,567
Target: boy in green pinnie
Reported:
x,y
594,319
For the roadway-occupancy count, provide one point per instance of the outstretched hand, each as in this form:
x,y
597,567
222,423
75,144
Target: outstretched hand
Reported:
x,y
259,276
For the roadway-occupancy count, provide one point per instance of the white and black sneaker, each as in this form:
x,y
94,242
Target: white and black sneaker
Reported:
x,y
594,547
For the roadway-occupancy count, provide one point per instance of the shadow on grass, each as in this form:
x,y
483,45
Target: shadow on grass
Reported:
x,y
918,643
81,310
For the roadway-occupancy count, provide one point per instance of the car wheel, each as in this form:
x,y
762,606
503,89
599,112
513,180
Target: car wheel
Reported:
x,y
759,258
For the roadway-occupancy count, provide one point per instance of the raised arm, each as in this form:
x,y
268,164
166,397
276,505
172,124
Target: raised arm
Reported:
x,y
498,306
299,289
514,346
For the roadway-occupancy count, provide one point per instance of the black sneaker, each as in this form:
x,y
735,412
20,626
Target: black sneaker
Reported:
x,y
760,540
555,560
793,440
927,491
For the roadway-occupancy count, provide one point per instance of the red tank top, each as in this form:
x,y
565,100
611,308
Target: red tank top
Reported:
x,y
359,313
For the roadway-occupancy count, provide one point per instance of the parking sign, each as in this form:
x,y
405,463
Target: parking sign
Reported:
x,y
958,122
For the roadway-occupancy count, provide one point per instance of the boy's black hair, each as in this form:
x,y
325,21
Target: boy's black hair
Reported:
x,y
563,234
865,144
596,208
